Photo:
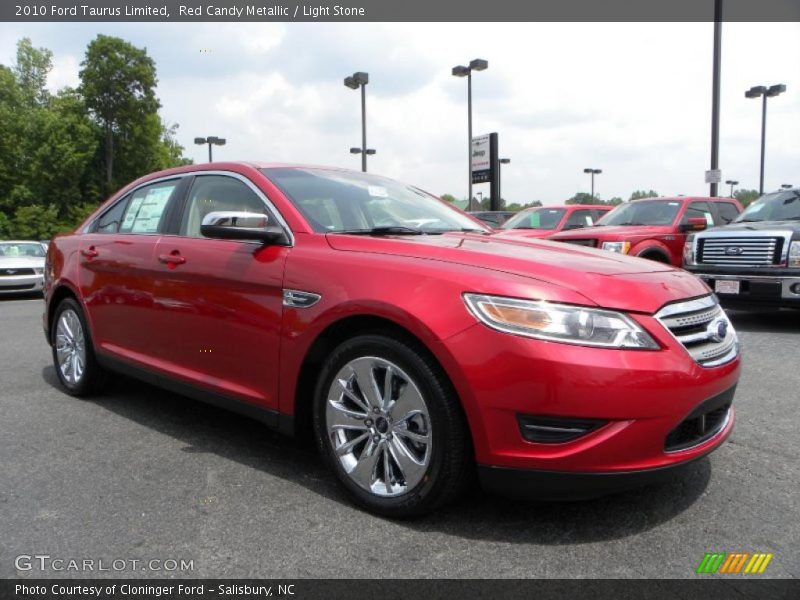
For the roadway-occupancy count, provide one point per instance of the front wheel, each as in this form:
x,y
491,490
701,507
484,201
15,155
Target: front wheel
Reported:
x,y
391,427
73,354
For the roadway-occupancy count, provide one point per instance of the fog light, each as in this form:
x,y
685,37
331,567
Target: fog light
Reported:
x,y
555,430
795,288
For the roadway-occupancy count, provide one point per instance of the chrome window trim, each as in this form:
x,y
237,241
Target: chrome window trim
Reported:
x,y
130,192
179,176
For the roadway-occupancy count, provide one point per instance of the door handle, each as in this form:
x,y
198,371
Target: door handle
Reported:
x,y
89,252
172,260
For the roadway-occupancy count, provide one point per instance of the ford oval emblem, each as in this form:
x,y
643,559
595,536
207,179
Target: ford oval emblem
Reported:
x,y
734,250
718,330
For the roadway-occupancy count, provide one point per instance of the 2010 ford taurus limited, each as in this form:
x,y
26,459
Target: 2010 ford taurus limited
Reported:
x,y
414,344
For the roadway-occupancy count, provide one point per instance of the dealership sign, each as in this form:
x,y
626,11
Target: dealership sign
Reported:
x,y
481,159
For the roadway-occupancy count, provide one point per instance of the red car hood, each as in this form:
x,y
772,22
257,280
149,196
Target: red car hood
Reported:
x,y
607,279
611,232
525,233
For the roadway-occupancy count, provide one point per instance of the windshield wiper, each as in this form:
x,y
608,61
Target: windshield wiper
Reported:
x,y
628,223
471,230
388,230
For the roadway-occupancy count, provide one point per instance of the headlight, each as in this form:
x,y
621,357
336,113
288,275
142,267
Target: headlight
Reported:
x,y
688,251
38,270
794,254
559,322
619,247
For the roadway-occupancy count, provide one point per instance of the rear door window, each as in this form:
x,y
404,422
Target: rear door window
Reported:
x,y
111,220
147,207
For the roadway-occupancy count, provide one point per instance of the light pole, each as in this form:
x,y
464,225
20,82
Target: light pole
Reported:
x,y
477,64
357,80
765,92
593,172
716,73
732,183
501,162
211,140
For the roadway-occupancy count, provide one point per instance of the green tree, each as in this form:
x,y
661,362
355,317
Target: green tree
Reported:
x,y
639,194
118,84
32,68
745,197
584,198
616,200
448,198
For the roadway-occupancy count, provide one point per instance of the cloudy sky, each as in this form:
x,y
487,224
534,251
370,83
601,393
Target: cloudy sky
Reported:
x,y
633,99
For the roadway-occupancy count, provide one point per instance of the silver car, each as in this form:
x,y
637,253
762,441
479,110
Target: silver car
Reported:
x,y
21,266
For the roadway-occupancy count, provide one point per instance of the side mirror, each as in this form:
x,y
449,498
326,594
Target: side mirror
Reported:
x,y
238,225
694,224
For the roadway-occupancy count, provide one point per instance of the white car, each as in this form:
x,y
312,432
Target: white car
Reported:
x,y
21,266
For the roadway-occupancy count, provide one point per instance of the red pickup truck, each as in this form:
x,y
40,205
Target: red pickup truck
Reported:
x,y
653,228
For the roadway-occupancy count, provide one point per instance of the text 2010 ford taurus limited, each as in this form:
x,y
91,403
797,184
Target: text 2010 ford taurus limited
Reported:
x,y
413,343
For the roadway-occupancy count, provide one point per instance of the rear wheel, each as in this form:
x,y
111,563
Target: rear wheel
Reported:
x,y
73,354
390,426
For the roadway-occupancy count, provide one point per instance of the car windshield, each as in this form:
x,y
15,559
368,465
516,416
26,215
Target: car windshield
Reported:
x,y
778,206
649,212
16,249
538,218
343,201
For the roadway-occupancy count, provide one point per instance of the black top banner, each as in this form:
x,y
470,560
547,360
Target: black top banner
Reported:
x,y
398,10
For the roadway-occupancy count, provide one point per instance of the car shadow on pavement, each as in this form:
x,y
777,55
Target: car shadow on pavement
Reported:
x,y
208,429
766,321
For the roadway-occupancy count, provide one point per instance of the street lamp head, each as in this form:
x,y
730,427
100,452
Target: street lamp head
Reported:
x,y
755,91
587,170
595,171
351,83
731,182
774,90
479,64
505,161
355,150
361,78
217,141
199,140
370,151
461,71
786,186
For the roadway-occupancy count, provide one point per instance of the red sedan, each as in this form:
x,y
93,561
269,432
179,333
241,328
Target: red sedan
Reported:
x,y
543,221
415,345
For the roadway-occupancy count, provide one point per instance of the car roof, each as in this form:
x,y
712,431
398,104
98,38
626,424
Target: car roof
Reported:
x,y
686,199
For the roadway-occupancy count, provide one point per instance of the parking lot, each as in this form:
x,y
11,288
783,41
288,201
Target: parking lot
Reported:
x,y
144,474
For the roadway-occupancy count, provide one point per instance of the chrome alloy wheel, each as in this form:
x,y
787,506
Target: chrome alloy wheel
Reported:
x,y
70,347
379,427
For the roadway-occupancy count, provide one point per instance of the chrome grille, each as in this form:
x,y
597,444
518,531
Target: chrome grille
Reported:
x,y
703,328
740,251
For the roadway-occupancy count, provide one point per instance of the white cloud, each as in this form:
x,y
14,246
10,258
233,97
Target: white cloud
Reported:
x,y
633,99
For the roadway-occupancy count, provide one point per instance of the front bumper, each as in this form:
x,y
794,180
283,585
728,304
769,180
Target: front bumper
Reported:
x,y
558,486
774,288
642,397
21,284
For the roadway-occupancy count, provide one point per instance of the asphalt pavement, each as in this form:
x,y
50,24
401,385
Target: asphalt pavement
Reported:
x,y
144,475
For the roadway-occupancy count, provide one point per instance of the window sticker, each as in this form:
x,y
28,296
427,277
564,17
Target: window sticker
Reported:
x,y
377,191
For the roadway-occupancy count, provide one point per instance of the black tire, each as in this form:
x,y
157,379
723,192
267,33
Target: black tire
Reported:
x,y
451,463
93,377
